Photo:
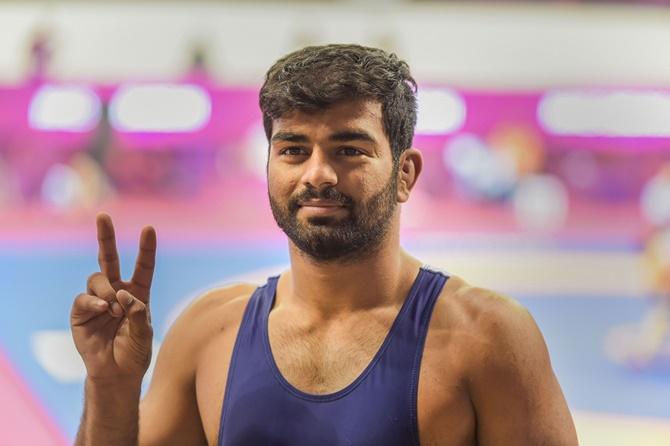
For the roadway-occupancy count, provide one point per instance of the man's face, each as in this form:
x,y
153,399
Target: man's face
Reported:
x,y
331,180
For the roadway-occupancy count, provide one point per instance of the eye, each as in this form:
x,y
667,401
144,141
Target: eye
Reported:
x,y
350,151
293,151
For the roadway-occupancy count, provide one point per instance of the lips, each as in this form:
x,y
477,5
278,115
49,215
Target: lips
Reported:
x,y
322,208
321,204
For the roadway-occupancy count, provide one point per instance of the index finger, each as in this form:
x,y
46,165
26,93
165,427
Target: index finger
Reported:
x,y
108,256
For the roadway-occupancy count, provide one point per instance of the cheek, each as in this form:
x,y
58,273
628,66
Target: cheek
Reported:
x,y
280,183
366,184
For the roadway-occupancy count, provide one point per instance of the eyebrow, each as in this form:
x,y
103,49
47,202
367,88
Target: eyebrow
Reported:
x,y
342,136
289,137
352,135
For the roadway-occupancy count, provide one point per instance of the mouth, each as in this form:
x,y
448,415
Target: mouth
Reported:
x,y
322,207
321,204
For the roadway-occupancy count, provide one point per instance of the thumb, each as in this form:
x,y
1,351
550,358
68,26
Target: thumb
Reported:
x,y
137,314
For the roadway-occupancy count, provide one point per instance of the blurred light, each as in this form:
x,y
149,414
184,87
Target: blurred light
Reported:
x,y
56,353
62,186
655,200
580,169
440,111
160,108
521,143
487,173
540,203
64,108
597,113
256,152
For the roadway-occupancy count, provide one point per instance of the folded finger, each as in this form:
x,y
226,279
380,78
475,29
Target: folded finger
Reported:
x,y
138,315
99,285
86,307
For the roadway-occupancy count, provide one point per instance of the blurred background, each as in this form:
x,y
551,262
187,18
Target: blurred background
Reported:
x,y
546,132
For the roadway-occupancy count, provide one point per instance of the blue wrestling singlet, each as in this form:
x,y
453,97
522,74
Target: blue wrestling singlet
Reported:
x,y
378,408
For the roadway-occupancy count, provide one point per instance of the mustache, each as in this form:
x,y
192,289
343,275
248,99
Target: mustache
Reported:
x,y
329,193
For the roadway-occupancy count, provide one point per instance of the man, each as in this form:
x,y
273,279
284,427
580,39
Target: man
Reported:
x,y
357,343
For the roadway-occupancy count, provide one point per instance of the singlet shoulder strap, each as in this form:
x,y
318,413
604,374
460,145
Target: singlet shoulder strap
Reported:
x,y
248,338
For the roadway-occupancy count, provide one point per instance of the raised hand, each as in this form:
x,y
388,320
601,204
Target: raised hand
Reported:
x,y
111,322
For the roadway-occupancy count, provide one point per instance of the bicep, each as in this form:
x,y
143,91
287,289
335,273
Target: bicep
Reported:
x,y
169,412
517,398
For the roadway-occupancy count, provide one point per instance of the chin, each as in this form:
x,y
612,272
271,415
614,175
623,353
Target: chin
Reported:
x,y
321,221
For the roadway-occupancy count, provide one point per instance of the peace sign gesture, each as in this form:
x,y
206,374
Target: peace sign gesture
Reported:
x,y
111,322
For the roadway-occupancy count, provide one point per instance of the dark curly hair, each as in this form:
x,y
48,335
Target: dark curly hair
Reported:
x,y
317,77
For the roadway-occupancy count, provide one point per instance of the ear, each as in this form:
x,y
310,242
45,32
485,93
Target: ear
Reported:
x,y
410,165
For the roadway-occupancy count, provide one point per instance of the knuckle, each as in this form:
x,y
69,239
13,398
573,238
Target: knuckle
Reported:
x,y
107,257
143,285
93,277
146,264
80,298
99,286
106,237
80,306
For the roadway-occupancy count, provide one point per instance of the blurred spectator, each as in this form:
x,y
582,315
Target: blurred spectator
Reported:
x,y
40,53
647,342
198,70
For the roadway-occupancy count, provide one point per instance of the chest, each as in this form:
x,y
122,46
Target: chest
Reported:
x,y
325,358
322,361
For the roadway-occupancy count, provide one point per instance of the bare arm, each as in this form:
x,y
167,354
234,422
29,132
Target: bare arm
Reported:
x,y
170,413
113,334
110,413
517,398
111,329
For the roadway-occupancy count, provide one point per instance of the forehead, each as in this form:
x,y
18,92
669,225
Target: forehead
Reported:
x,y
357,114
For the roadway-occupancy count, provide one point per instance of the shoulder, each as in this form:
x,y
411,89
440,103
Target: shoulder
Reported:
x,y
214,309
504,366
219,298
480,308
487,324
211,314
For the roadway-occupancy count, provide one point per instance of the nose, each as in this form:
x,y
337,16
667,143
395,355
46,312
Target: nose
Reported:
x,y
319,172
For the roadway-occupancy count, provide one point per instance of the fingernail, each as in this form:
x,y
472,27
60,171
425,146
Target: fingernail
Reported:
x,y
115,309
125,296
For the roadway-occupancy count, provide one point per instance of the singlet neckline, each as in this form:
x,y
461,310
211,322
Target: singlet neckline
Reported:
x,y
272,289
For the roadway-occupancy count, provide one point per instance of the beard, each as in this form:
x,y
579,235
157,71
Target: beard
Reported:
x,y
327,239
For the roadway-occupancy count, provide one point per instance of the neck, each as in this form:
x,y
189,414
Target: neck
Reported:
x,y
327,290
